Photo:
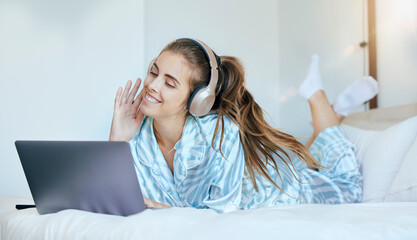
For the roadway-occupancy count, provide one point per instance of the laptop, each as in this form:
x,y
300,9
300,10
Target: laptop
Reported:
x,y
94,176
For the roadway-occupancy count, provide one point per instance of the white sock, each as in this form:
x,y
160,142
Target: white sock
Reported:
x,y
312,83
356,94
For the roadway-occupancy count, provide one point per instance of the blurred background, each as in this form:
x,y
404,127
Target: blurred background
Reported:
x,y
61,62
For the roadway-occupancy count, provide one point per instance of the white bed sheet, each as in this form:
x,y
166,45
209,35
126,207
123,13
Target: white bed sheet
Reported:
x,y
347,221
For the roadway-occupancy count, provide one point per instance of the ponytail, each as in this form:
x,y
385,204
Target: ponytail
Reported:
x,y
259,140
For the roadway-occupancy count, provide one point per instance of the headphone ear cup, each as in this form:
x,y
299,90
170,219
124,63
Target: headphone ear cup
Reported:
x,y
190,100
201,102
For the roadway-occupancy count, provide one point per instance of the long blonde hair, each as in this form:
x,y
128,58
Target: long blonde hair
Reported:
x,y
259,140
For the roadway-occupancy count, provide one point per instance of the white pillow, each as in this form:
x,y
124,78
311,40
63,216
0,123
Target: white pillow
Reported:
x,y
404,186
380,154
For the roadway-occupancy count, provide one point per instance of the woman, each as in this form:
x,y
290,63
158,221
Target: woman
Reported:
x,y
229,159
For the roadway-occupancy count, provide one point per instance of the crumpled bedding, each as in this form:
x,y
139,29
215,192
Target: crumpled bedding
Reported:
x,y
346,221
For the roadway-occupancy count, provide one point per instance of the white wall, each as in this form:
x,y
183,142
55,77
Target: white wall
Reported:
x,y
396,22
61,63
331,29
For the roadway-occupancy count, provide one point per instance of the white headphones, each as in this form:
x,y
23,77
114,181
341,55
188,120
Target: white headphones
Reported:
x,y
202,99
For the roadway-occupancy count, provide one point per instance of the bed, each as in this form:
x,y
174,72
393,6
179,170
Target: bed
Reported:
x,y
388,210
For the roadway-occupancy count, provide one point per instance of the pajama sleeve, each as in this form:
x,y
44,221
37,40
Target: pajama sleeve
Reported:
x,y
225,191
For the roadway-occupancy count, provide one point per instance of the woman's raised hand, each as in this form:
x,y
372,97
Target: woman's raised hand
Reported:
x,y
126,117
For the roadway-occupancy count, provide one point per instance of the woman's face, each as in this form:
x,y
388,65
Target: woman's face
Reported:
x,y
166,87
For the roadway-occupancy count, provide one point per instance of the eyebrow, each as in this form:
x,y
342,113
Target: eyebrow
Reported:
x,y
167,75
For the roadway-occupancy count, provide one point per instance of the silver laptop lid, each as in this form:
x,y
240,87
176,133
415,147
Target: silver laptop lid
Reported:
x,y
95,176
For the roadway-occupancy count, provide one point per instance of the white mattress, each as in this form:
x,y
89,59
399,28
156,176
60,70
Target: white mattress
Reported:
x,y
346,221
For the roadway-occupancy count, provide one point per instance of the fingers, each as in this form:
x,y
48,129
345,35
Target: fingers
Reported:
x,y
138,99
118,94
137,103
135,89
127,96
126,91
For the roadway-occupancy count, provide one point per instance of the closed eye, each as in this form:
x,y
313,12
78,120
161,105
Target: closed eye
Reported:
x,y
169,85
166,83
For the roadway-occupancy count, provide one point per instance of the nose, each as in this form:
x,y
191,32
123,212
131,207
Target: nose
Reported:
x,y
155,84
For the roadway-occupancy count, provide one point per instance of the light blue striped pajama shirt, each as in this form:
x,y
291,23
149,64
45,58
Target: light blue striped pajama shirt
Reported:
x,y
203,178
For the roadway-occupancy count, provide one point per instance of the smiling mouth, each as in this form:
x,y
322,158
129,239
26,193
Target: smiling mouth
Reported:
x,y
151,99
